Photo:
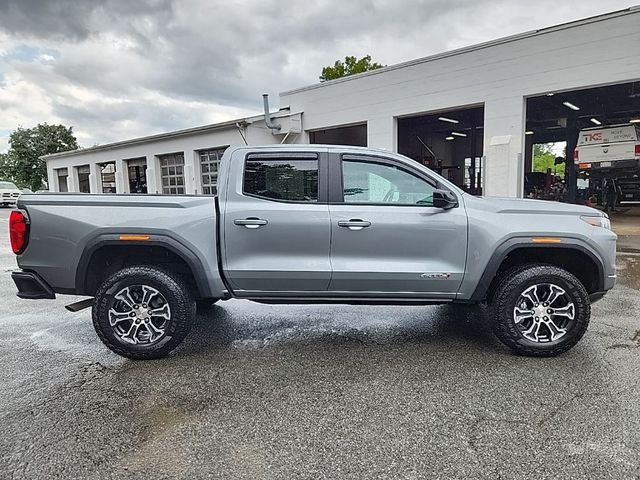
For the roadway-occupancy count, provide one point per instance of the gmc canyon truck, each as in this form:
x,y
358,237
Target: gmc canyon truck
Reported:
x,y
315,224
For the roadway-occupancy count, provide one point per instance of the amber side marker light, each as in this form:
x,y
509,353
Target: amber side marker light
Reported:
x,y
546,240
134,238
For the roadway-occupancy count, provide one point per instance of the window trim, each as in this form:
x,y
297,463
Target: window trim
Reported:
x,y
337,194
320,157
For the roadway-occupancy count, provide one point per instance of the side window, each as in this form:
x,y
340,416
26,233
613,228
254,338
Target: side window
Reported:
x,y
370,182
289,180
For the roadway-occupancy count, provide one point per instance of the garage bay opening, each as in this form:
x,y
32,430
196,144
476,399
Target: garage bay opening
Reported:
x,y
583,146
449,142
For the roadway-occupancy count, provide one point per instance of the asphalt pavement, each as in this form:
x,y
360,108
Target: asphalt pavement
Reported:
x,y
318,392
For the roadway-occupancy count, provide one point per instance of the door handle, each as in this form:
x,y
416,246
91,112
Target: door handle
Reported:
x,y
354,224
250,222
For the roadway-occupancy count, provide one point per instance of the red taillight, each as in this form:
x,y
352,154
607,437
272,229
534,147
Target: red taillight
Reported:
x,y
576,155
637,149
18,231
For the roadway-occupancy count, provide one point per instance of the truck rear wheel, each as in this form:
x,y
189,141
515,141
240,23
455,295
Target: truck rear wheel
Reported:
x,y
143,312
539,310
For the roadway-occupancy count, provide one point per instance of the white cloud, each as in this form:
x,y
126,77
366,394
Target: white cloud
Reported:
x,y
126,68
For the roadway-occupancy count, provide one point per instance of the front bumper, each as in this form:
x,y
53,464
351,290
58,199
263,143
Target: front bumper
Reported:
x,y
8,201
31,286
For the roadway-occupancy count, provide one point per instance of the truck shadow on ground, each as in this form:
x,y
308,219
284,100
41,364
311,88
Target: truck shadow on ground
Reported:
x,y
289,326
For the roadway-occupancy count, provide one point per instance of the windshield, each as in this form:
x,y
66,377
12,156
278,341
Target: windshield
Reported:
x,y
8,185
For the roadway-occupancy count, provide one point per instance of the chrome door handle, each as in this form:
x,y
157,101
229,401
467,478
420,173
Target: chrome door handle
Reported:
x,y
354,224
250,222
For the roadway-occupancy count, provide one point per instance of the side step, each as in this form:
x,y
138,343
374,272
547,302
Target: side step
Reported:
x,y
81,305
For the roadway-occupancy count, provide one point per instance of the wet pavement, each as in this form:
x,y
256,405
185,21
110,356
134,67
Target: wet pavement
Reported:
x,y
317,392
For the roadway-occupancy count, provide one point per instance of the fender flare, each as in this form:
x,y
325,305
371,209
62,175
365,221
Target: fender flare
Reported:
x,y
515,243
155,239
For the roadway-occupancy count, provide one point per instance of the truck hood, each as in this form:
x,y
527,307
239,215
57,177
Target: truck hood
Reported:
x,y
531,206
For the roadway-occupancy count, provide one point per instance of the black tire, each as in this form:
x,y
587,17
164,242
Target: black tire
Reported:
x,y
173,291
507,295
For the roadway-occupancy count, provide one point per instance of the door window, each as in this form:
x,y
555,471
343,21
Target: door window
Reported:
x,y
367,182
279,179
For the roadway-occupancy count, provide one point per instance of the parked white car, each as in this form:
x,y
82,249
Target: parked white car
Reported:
x,y
9,194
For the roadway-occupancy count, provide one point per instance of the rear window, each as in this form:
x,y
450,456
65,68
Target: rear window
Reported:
x,y
8,185
282,179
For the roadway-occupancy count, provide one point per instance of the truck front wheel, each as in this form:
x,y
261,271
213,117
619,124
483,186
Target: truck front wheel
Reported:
x,y
539,310
143,312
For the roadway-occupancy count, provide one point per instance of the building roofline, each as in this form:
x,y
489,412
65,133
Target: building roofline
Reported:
x,y
471,48
161,136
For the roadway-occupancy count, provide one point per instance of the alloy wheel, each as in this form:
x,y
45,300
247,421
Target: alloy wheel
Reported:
x,y
139,315
544,313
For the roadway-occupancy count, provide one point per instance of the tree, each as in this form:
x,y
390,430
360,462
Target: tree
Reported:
x,y
7,166
350,66
27,145
544,158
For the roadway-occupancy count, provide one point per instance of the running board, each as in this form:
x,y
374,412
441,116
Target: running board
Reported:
x,y
81,305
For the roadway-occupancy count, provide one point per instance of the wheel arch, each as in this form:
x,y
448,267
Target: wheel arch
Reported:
x,y
118,253
573,255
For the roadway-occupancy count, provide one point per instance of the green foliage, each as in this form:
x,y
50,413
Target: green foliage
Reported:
x,y
350,66
544,158
22,164
6,167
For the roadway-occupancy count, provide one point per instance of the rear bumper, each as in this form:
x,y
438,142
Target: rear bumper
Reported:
x,y
31,286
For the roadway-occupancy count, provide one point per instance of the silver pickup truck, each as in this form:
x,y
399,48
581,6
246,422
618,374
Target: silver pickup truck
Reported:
x,y
315,224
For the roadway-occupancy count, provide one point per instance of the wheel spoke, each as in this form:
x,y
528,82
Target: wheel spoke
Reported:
x,y
532,294
161,312
554,293
132,334
521,314
125,296
154,332
555,331
148,294
533,331
567,311
115,317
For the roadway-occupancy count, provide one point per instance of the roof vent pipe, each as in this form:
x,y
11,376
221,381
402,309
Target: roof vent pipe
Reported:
x,y
267,116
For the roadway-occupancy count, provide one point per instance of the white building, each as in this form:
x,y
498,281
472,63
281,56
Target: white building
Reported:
x,y
472,113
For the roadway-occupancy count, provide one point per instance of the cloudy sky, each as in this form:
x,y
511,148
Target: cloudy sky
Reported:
x,y
117,69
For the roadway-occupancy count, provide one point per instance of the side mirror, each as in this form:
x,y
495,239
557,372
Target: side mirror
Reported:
x,y
444,199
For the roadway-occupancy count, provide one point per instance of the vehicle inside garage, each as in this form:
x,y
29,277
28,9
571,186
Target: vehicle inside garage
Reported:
x,y
563,122
449,142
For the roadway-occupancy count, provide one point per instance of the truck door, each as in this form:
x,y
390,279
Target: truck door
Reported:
x,y
386,235
277,231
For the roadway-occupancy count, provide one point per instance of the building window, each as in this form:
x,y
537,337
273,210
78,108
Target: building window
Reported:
x,y
83,179
108,176
209,163
137,170
172,171
63,175
289,180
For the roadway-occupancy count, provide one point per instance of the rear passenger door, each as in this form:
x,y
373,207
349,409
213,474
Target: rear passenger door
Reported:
x,y
277,231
